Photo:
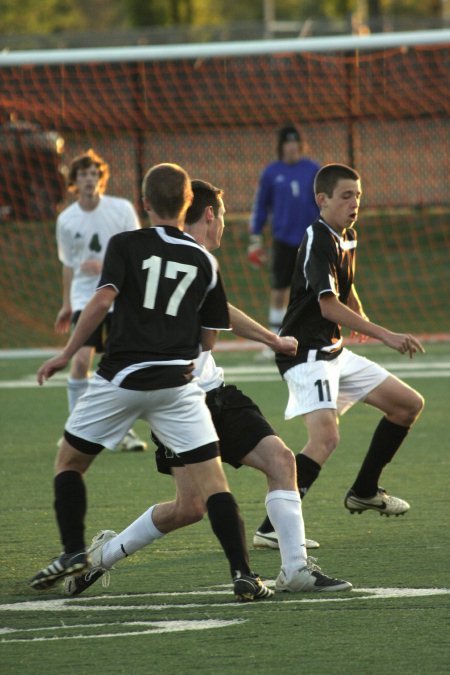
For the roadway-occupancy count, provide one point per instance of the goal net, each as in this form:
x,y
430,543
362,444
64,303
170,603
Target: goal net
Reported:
x,y
382,107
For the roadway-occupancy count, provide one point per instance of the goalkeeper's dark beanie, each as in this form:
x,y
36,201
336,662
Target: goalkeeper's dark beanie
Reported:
x,y
288,133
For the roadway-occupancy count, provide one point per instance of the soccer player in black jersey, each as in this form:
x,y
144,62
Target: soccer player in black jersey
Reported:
x,y
168,299
324,378
245,438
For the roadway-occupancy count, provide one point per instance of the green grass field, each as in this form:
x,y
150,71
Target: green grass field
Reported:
x,y
169,608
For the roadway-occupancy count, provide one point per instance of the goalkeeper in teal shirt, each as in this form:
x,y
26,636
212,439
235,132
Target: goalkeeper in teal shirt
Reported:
x,y
285,196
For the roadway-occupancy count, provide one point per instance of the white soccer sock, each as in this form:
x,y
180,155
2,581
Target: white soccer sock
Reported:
x,y
284,509
75,389
131,539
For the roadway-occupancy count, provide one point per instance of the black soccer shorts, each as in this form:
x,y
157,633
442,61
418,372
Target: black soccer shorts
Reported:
x,y
239,423
282,264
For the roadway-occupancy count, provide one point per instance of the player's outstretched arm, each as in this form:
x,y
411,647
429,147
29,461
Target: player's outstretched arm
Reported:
x,y
91,317
333,310
246,327
405,343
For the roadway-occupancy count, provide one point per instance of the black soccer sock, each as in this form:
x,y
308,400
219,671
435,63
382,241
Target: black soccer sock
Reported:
x,y
385,442
70,506
228,526
266,526
307,472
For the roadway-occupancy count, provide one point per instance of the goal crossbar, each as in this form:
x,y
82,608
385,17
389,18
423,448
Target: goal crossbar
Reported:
x,y
376,41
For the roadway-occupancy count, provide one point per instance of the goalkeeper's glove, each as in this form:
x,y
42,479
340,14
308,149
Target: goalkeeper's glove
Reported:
x,y
255,253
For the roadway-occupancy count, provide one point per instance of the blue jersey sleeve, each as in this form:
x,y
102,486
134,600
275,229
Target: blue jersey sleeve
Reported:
x,y
263,202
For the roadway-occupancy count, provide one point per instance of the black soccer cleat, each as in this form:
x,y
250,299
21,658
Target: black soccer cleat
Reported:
x,y
249,587
77,584
67,563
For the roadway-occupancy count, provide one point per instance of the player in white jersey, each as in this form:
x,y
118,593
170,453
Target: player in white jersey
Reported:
x,y
245,438
168,299
83,231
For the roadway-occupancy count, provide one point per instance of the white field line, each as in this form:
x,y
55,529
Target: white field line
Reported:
x,y
260,373
135,628
85,604
61,630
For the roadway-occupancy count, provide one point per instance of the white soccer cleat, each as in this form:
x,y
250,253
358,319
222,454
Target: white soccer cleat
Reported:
x,y
98,542
310,579
270,540
131,443
385,504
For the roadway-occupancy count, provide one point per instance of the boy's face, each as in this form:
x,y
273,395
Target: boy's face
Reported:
x,y
215,231
291,151
87,181
340,210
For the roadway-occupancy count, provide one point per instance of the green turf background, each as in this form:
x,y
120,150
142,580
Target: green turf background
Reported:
x,y
401,635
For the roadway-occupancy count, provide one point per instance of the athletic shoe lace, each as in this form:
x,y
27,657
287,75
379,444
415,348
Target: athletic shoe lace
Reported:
x,y
311,564
106,577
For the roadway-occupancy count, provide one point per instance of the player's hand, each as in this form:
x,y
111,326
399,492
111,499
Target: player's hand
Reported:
x,y
404,343
63,319
51,367
256,255
358,336
286,345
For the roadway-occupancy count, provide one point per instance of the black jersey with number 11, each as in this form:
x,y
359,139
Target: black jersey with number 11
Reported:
x,y
325,264
169,287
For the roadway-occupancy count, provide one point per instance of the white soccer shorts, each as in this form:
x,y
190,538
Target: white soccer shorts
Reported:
x,y
178,415
335,384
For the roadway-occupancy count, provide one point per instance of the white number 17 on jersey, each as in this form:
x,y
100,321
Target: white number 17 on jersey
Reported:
x,y
153,265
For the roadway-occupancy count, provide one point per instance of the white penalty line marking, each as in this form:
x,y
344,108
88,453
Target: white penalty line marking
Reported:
x,y
139,628
85,603
148,628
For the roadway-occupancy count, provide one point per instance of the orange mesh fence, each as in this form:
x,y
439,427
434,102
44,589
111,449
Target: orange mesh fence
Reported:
x,y
386,113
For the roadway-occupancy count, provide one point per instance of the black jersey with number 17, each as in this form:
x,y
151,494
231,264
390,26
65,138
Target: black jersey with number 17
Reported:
x,y
169,288
325,264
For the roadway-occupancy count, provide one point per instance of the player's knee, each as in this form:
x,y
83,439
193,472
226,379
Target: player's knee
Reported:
x,y
330,441
190,512
69,459
277,462
286,463
413,408
419,403
63,464
407,409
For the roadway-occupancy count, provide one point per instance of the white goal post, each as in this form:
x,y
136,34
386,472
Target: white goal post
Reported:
x,y
223,49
